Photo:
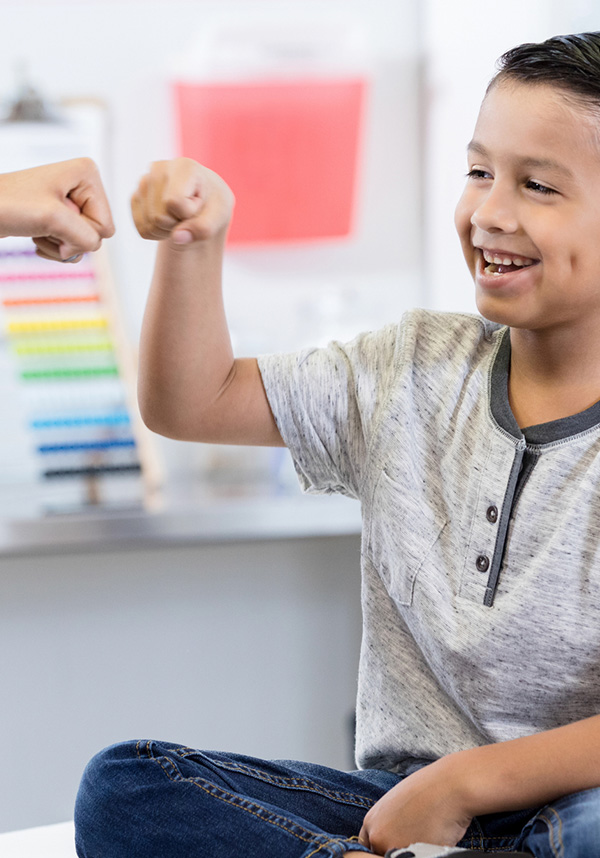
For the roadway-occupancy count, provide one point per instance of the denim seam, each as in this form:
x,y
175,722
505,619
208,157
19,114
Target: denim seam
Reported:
x,y
558,848
323,846
295,783
355,841
476,837
244,804
477,842
492,837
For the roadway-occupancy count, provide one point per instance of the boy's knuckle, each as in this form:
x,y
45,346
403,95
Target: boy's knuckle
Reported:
x,y
163,222
158,168
205,231
88,165
176,207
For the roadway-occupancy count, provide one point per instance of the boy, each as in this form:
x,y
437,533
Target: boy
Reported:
x,y
473,445
62,206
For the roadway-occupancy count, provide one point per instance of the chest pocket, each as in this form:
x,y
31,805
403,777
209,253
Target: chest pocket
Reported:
x,y
402,534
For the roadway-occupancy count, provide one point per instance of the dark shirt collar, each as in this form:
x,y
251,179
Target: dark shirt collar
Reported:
x,y
542,433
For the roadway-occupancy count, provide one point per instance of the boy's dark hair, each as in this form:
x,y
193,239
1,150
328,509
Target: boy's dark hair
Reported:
x,y
571,63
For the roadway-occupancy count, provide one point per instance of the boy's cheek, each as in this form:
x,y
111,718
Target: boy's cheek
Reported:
x,y
462,223
462,218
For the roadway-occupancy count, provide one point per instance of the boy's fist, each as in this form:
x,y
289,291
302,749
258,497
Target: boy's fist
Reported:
x,y
181,201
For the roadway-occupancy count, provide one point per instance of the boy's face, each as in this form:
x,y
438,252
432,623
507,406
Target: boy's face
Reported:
x,y
529,217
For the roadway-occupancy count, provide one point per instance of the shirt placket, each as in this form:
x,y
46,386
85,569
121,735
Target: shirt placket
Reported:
x,y
491,518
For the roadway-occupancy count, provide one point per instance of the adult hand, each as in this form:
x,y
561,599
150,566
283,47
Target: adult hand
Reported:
x,y
182,201
62,206
425,807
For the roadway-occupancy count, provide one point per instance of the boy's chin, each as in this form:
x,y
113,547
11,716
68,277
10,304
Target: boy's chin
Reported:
x,y
488,310
500,317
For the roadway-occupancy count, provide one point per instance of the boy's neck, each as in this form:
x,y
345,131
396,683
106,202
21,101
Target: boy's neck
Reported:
x,y
553,374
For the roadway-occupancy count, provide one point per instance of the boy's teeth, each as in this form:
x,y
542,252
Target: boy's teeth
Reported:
x,y
519,261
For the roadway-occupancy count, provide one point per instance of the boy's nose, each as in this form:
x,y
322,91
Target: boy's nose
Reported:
x,y
495,213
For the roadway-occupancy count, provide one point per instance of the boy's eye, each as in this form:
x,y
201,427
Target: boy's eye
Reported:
x,y
478,173
539,189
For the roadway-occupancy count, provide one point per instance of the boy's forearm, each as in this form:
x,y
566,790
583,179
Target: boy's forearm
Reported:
x,y
530,771
190,386
438,802
185,348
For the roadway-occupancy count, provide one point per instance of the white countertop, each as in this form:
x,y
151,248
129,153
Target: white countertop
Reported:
x,y
219,520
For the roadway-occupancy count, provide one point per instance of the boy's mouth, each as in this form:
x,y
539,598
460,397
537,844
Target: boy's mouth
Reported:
x,y
499,262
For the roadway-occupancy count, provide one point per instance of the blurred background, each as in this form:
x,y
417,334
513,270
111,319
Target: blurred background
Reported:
x,y
152,589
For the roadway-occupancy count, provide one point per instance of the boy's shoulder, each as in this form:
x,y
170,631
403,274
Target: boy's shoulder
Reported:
x,y
449,335
443,323
423,339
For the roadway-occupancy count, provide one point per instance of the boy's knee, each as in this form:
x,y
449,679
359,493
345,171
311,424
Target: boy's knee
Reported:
x,y
103,795
107,770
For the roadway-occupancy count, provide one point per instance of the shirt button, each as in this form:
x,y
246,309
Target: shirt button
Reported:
x,y
482,563
492,514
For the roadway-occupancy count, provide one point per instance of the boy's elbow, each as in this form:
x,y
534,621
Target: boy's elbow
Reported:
x,y
154,418
157,416
170,420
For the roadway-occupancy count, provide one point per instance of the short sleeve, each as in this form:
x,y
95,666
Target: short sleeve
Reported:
x,y
326,403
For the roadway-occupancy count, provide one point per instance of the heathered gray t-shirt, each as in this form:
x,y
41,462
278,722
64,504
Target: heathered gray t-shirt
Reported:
x,y
480,544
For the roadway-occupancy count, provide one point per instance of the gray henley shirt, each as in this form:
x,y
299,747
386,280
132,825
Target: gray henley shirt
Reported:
x,y
480,543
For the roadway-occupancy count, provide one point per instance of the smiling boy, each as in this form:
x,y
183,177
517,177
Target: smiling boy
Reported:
x,y
473,444
533,201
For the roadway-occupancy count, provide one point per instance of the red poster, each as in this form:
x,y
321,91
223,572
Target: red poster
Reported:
x,y
288,149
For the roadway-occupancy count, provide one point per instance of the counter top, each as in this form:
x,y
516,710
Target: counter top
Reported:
x,y
222,520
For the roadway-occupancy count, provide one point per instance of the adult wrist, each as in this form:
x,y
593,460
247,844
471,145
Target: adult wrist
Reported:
x,y
5,215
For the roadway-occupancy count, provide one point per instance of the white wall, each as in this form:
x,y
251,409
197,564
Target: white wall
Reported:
x,y
249,647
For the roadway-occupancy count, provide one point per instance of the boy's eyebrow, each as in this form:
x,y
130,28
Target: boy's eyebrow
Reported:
x,y
531,163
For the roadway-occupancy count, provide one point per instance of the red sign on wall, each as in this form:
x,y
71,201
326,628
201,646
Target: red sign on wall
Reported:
x,y
288,149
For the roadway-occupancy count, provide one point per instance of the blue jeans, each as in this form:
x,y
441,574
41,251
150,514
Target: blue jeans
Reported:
x,y
160,800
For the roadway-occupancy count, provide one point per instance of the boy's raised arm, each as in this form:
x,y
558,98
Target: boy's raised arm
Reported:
x,y
190,385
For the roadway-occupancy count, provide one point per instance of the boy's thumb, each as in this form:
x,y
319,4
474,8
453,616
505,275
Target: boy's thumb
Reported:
x,y
182,236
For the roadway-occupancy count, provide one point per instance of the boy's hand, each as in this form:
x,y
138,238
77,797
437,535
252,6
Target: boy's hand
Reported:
x,y
62,206
183,202
425,807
